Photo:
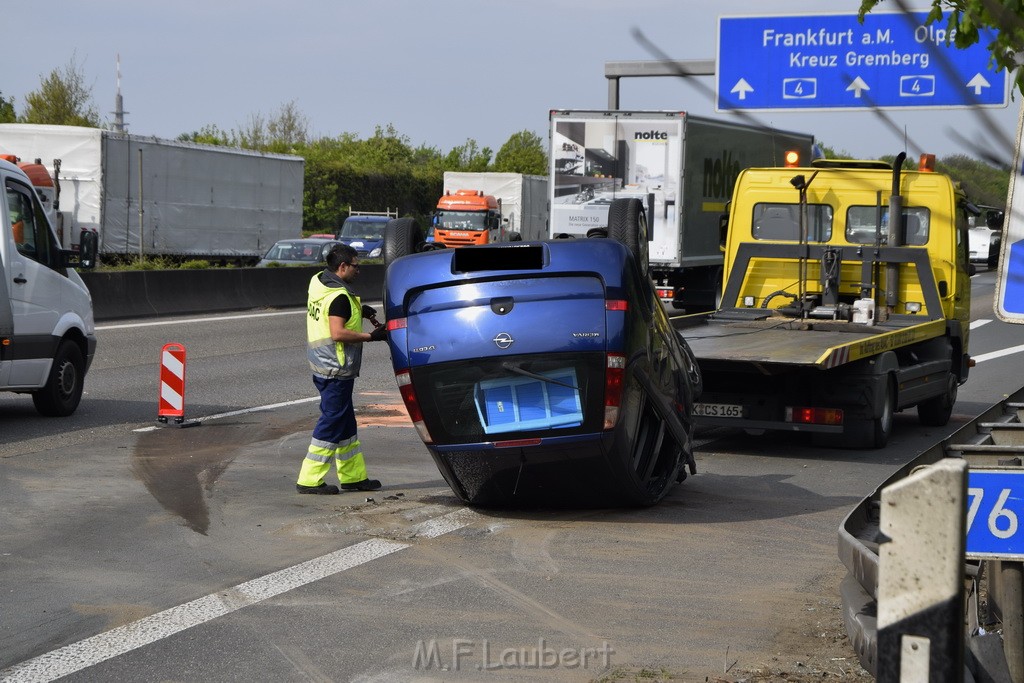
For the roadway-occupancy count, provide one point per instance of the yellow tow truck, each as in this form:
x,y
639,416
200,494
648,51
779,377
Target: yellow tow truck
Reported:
x,y
833,315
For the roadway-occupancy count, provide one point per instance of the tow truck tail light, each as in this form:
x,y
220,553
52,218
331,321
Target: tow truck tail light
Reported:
x,y
397,324
614,370
666,293
792,159
412,404
814,416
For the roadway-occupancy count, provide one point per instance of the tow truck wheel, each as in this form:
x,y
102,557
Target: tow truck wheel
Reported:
x,y
935,412
879,428
872,432
63,390
627,223
402,236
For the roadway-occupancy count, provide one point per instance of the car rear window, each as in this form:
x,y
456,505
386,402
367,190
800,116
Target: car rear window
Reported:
x,y
512,397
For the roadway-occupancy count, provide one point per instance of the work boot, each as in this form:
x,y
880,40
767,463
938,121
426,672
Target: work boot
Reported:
x,y
364,485
324,489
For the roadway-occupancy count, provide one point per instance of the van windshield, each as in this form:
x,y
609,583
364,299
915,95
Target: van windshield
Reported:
x,y
363,230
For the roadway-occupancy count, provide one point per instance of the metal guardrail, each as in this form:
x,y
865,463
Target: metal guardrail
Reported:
x,y
995,434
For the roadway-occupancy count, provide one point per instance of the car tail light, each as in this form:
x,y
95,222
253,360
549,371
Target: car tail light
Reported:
x,y
614,370
814,416
397,324
615,305
412,404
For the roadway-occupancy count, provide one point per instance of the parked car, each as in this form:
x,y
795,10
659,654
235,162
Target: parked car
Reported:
x,y
542,371
308,251
984,241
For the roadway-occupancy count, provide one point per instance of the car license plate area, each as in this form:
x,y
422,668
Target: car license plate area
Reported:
x,y
717,410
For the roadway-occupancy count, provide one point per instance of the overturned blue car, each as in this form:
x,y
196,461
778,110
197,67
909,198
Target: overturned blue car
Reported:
x,y
542,372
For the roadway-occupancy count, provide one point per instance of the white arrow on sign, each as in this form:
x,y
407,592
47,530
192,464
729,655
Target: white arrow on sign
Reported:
x,y
978,82
742,88
857,86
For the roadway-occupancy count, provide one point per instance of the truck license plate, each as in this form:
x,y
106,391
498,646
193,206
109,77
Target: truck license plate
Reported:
x,y
717,410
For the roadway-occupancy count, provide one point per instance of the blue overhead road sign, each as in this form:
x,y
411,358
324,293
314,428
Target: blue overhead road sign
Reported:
x,y
832,61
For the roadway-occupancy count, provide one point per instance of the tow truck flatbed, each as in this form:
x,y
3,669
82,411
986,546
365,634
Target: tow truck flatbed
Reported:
x,y
772,339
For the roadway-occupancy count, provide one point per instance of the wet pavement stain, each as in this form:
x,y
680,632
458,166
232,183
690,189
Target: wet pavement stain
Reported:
x,y
180,466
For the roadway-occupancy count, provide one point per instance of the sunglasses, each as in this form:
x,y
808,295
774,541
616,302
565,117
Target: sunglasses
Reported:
x,y
353,265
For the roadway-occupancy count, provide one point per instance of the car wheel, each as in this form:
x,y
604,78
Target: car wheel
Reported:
x,y
653,461
936,411
402,236
627,223
63,391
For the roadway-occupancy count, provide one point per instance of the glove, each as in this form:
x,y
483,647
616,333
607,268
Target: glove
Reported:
x,y
369,311
379,334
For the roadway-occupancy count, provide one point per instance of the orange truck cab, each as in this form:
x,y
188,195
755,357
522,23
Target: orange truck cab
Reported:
x,y
467,217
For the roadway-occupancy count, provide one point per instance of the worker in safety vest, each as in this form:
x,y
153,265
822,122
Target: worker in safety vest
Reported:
x,y
334,335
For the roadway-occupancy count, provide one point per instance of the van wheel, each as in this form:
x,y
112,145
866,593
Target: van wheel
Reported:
x,y
63,391
936,411
627,223
402,236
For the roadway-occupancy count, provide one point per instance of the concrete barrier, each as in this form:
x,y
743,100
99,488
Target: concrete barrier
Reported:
x,y
142,293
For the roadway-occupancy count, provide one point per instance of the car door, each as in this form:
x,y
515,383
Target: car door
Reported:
x,y
34,287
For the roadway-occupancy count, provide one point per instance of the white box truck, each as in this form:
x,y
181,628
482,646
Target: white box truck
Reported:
x,y
47,333
523,199
681,167
154,197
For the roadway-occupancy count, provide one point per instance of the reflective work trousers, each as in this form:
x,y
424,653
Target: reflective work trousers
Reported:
x,y
334,436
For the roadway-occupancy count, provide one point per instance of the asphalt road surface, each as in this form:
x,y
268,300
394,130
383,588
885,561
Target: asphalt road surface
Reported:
x,y
132,552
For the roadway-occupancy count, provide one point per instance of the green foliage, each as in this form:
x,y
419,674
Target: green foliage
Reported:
x,y
7,114
966,20
833,153
984,183
522,153
194,264
63,99
211,135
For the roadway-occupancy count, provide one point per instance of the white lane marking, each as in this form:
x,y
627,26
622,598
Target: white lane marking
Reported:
x,y
998,354
221,318
232,413
975,324
101,647
158,323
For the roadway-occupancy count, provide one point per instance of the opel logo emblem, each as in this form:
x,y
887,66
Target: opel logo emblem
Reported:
x,y
503,340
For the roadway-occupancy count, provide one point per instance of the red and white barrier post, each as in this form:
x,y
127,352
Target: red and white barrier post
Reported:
x,y
172,384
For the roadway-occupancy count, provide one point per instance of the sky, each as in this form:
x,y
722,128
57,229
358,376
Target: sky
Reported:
x,y
440,71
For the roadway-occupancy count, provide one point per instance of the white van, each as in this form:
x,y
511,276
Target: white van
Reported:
x,y
47,332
